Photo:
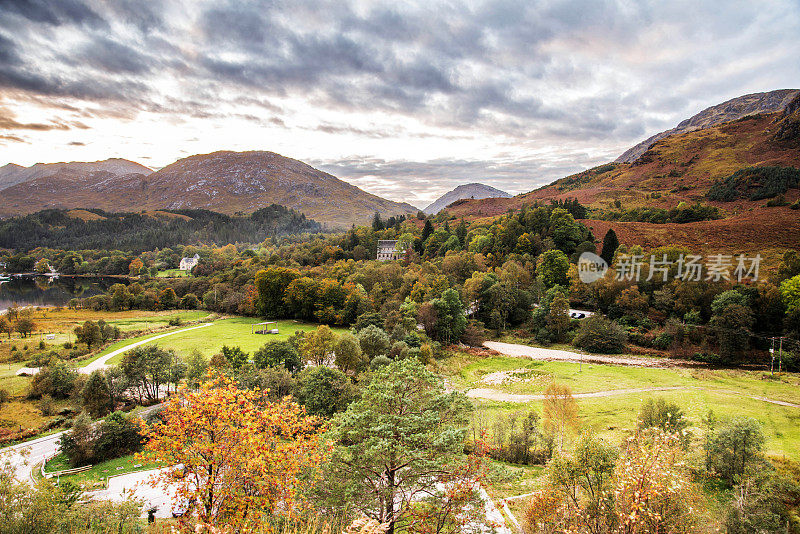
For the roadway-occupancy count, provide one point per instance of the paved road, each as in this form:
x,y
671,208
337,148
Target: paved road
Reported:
x,y
538,353
137,484
100,363
24,456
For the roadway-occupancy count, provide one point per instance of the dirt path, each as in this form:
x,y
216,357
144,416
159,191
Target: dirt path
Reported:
x,y
495,395
538,353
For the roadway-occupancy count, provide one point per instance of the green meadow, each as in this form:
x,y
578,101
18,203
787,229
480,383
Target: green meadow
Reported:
x,y
232,331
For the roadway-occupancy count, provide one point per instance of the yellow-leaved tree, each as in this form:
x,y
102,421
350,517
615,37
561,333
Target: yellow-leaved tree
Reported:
x,y
242,454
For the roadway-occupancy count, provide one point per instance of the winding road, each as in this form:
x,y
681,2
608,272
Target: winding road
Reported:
x,y
100,363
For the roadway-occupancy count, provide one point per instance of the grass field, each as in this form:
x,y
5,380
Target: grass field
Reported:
x,y
173,273
97,475
722,391
234,331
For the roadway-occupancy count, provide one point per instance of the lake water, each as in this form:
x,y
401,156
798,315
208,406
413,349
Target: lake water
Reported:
x,y
41,291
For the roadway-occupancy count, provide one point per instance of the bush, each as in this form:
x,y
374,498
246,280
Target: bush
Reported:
x,y
734,448
599,335
663,341
378,362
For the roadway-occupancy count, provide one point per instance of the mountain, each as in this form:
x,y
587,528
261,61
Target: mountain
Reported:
x,y
734,109
13,174
754,159
226,182
476,191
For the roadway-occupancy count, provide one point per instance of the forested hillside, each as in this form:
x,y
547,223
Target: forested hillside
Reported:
x,y
137,232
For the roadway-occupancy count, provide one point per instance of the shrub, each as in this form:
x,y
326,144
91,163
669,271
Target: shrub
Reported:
x,y
598,334
734,448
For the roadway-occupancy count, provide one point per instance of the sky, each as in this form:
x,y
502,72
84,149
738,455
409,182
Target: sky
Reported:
x,y
404,99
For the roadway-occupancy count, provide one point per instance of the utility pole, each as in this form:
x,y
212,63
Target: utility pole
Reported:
x,y
772,360
780,355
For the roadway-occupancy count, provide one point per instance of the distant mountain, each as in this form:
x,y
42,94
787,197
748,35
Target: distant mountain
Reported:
x,y
476,191
226,182
13,174
736,108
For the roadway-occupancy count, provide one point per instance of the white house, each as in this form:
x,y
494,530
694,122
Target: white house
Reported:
x,y
187,264
387,249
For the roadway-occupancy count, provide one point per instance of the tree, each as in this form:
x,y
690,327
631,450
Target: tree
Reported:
x,y
78,443
146,368
552,268
278,354
317,345
584,483
732,319
168,298
450,319
560,411
427,230
118,436
348,354
324,391
96,396
394,445
599,335
24,326
235,356
56,379
790,293
48,508
5,326
610,245
196,368
653,491
242,454
88,333
558,317
734,447
271,287
373,341
42,266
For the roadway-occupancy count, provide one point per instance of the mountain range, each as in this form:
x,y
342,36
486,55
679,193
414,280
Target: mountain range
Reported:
x,y
465,191
227,182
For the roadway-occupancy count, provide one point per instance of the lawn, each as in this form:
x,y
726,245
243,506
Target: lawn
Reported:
x,y
467,371
143,322
13,384
173,273
722,391
97,475
233,331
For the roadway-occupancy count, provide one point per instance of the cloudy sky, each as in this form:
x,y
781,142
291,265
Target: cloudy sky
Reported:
x,y
406,100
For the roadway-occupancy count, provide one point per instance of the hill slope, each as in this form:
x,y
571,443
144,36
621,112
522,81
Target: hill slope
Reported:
x,y
683,168
226,182
734,109
476,191
13,174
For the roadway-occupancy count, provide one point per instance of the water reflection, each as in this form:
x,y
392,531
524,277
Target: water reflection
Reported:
x,y
42,291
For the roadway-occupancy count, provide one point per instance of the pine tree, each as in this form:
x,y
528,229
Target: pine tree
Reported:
x,y
427,230
610,244
377,222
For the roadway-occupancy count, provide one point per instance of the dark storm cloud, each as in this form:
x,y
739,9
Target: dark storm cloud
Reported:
x,y
54,13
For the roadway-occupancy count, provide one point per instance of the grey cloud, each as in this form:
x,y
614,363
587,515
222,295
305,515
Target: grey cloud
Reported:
x,y
54,13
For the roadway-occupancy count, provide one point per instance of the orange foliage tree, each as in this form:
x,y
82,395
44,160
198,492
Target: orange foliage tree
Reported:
x,y
242,455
